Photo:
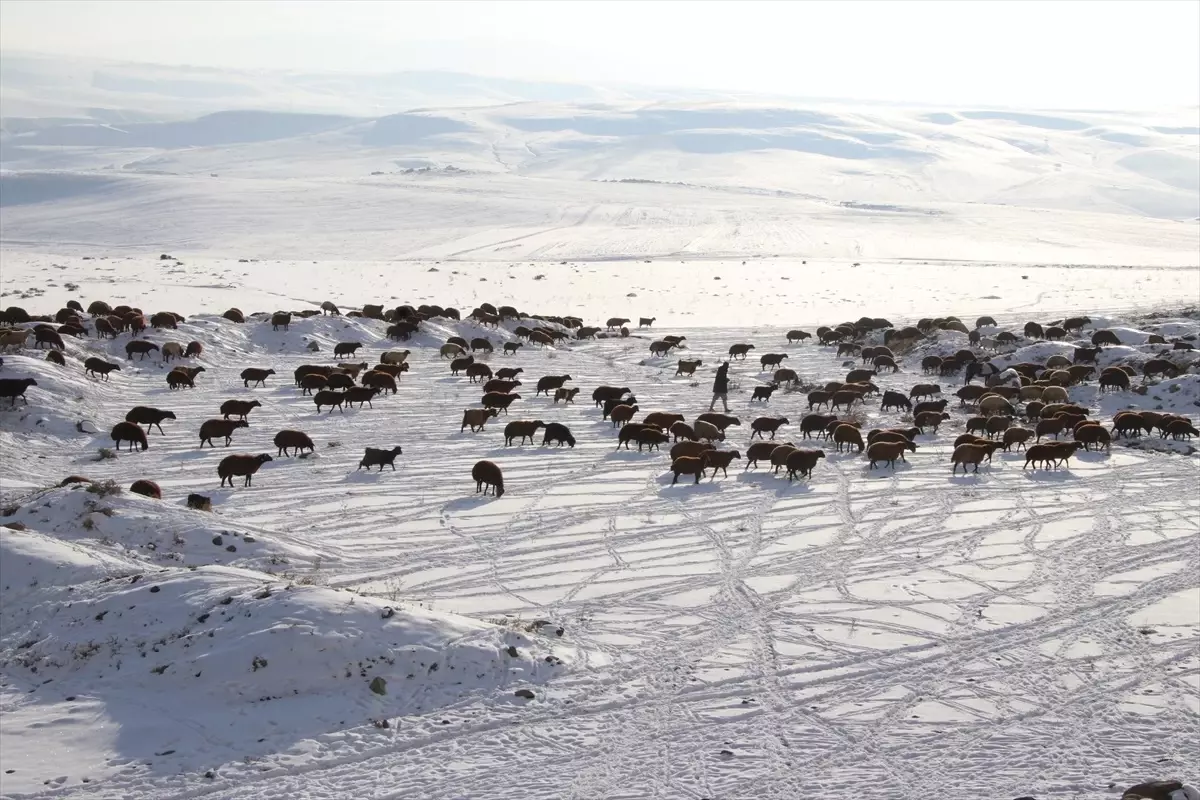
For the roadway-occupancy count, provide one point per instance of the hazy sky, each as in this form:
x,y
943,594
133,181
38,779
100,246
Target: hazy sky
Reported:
x,y
1072,54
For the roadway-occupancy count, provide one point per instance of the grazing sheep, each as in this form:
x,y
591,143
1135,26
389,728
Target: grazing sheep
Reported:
x,y
800,462
330,308
183,376
1179,429
1158,366
602,393
740,350
763,424
685,367
681,430
763,392
894,400
139,347
622,414
526,429
460,364
476,418
797,336
541,337
43,336
1054,394
480,343
847,436
360,395
500,400
240,465
689,465
885,362
239,407
545,384
374,457
171,350
146,489
234,315
99,367
129,432
558,433
929,419
996,425
215,428
924,390
930,405
487,475
278,320
785,375
706,431
889,452
651,437
288,440
150,417
566,395
331,399
451,350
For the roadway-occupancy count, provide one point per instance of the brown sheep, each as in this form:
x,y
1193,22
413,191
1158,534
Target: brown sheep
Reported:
x,y
689,465
150,417
234,315
215,428
930,419
721,421
129,432
183,376
780,455
375,457
146,489
541,337
819,398
1050,454
239,407
844,398
994,405
924,390
885,362
393,371
651,437
1158,366
508,373
460,364
360,395
785,375
720,460
278,320
972,454
139,347
891,433
331,399
171,350
258,376
661,348
1179,429
548,382
499,400
313,381
351,369
1017,436
629,433
887,437
477,372
526,429
847,436
622,414
566,395
1113,378
603,393
1092,433
297,440
762,450
1054,394
801,462
240,465
794,336
1048,427
889,452
970,438
451,350
815,423
689,449
740,350
487,475
329,307
687,367
480,343
997,425
99,367
477,418
615,322
379,381
681,430
501,386
762,424
708,432
930,405
763,393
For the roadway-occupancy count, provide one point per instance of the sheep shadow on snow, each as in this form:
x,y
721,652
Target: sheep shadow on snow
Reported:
x,y
685,486
1050,476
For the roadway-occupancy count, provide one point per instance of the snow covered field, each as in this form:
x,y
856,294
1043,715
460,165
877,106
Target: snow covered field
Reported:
x,y
1009,633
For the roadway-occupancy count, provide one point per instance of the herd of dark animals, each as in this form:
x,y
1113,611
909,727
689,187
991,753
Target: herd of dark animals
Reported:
x,y
1042,387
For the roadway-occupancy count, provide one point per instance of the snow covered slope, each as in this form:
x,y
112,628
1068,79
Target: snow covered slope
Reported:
x,y
995,635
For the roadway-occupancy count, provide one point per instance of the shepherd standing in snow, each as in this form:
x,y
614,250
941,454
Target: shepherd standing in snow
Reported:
x,y
721,387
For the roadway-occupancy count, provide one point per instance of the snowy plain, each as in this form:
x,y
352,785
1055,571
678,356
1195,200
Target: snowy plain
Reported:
x,y
899,633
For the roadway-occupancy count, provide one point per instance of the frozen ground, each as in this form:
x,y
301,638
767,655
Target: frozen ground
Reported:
x,y
921,634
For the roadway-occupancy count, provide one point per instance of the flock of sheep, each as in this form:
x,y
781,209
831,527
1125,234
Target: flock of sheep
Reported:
x,y
1033,393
